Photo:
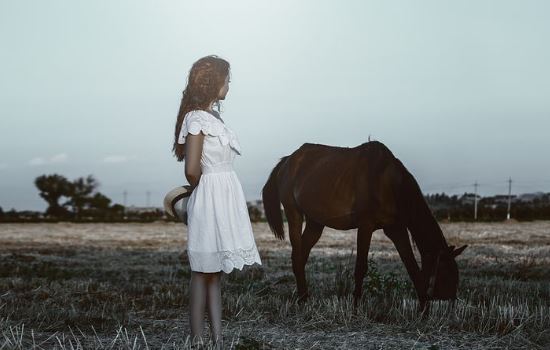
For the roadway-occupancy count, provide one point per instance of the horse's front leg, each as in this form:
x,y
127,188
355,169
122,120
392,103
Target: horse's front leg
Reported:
x,y
400,237
364,236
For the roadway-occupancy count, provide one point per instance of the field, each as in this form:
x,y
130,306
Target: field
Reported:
x,y
103,286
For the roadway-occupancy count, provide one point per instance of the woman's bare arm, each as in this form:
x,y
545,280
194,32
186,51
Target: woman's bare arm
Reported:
x,y
193,153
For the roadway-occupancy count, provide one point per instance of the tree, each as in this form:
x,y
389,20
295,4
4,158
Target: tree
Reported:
x,y
117,211
99,204
80,193
254,213
99,201
52,188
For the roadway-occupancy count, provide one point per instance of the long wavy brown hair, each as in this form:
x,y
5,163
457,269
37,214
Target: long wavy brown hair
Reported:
x,y
205,80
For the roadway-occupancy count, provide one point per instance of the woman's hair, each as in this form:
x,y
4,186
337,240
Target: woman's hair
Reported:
x,y
206,78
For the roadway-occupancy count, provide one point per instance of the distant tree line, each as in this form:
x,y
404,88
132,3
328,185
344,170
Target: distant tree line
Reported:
x,y
76,200
80,198
79,201
492,208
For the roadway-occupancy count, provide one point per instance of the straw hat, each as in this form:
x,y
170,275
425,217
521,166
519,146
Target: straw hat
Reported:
x,y
173,197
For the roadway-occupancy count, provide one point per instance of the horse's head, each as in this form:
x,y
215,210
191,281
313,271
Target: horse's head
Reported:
x,y
442,274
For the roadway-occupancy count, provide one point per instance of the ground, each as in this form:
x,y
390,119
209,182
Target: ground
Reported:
x,y
126,286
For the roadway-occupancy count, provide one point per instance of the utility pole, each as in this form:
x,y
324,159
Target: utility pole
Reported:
x,y
509,198
125,196
475,200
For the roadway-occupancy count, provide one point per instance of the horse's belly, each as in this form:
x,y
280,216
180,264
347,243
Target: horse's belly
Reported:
x,y
343,222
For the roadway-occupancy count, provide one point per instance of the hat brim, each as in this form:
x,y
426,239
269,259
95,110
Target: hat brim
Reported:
x,y
174,196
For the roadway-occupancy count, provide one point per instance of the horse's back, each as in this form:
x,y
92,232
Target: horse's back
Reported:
x,y
337,185
318,180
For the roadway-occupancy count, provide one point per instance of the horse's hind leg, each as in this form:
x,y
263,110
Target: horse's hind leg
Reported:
x,y
311,235
295,221
400,238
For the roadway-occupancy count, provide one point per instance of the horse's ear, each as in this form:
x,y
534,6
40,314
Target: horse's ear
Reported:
x,y
458,251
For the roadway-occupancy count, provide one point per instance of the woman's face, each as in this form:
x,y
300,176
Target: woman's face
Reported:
x,y
224,89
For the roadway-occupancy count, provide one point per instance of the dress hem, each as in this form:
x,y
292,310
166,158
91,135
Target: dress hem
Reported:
x,y
225,260
233,268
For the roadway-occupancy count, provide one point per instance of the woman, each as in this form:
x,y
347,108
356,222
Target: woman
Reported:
x,y
219,232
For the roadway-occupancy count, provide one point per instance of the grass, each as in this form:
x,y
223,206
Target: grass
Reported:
x,y
94,286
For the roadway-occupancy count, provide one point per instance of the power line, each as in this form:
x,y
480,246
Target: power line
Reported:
x,y
494,186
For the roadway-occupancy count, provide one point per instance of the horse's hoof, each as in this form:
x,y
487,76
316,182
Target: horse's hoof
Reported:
x,y
356,301
355,308
302,299
424,309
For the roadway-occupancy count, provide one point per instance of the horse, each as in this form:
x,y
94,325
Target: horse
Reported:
x,y
365,188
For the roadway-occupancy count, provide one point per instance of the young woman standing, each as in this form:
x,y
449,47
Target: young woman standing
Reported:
x,y
219,232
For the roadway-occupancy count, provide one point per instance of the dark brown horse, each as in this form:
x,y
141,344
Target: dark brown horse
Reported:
x,y
364,187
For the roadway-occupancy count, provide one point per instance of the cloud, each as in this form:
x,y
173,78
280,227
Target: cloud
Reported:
x,y
3,165
118,158
58,158
37,161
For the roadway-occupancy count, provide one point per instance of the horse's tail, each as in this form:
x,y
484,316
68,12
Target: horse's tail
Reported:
x,y
272,202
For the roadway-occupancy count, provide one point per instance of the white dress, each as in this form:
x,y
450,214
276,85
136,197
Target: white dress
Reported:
x,y
219,232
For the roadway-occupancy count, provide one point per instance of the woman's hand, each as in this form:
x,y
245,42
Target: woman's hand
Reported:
x,y
193,153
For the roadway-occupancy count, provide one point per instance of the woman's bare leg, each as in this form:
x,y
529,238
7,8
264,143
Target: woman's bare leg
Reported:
x,y
197,303
214,302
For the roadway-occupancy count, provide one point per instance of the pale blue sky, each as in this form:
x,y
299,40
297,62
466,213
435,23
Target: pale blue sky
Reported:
x,y
458,90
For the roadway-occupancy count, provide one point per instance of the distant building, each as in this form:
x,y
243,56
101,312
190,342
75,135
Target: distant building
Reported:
x,y
469,198
529,197
503,198
30,214
140,210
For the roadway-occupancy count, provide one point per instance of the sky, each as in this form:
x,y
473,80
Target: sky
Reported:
x,y
457,90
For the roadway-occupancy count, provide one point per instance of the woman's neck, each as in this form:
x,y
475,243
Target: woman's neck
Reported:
x,y
209,108
215,114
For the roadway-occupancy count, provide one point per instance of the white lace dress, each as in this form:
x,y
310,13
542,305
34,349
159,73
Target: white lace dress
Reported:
x,y
219,232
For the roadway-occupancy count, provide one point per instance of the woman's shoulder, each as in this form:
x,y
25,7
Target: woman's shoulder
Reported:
x,y
199,120
205,116
202,112
198,114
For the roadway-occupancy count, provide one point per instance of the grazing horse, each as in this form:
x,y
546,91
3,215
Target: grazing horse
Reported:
x,y
364,187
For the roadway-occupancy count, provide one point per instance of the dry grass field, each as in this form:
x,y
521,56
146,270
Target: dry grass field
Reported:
x,y
125,286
